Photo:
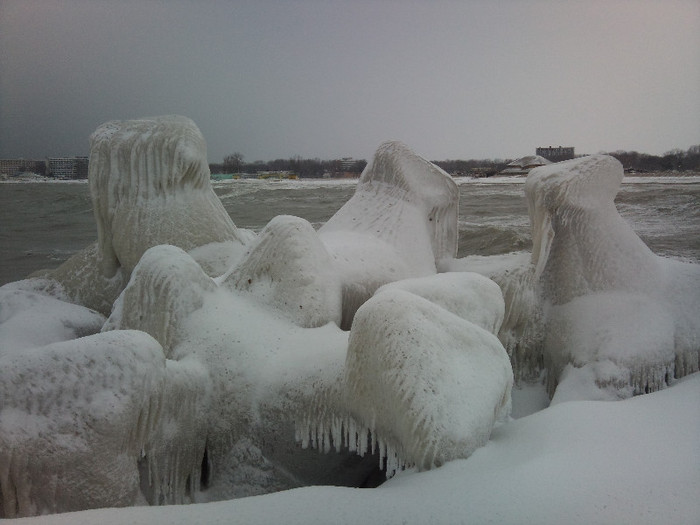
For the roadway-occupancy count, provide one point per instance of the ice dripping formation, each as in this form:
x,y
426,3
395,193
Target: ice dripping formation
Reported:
x,y
181,389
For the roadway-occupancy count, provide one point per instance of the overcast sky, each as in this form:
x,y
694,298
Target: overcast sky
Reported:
x,y
334,78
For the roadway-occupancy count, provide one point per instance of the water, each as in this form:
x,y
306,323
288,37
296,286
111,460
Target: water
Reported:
x,y
44,223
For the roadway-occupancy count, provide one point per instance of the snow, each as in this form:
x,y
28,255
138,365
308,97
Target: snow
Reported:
x,y
631,461
20,307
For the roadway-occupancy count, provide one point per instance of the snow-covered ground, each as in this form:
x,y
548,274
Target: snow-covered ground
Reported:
x,y
633,461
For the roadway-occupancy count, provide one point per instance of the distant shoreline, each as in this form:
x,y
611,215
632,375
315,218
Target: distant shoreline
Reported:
x,y
511,177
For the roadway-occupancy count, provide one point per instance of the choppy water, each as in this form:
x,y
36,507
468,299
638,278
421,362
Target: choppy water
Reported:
x,y
42,224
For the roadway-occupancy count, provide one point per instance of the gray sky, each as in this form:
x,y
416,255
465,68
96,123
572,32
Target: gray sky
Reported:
x,y
334,78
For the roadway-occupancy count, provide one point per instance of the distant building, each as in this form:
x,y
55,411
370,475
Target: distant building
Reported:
x,y
68,167
556,154
13,167
81,167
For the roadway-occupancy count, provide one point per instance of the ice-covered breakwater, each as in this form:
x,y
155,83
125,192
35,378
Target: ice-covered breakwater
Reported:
x,y
219,354
223,348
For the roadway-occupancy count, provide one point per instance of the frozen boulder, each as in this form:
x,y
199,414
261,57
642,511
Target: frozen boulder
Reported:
x,y
150,184
426,384
522,329
165,287
608,300
421,385
401,220
289,269
74,418
468,295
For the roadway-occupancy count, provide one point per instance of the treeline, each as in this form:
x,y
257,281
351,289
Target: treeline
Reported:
x,y
483,168
674,160
304,168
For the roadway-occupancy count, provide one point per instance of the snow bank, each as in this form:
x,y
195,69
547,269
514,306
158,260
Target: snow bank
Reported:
x,y
401,220
610,304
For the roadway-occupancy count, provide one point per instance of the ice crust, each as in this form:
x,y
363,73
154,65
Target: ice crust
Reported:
x,y
225,355
592,310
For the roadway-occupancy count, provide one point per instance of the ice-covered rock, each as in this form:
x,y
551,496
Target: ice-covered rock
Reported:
x,y
428,385
468,295
150,184
74,418
422,383
215,360
165,287
610,304
290,270
401,220
522,329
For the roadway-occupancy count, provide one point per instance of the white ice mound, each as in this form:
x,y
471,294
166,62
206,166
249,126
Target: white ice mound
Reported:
x,y
290,270
150,185
74,418
427,385
167,284
608,301
400,221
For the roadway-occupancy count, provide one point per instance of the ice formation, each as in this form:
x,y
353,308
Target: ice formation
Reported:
x,y
613,310
150,184
401,220
21,306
